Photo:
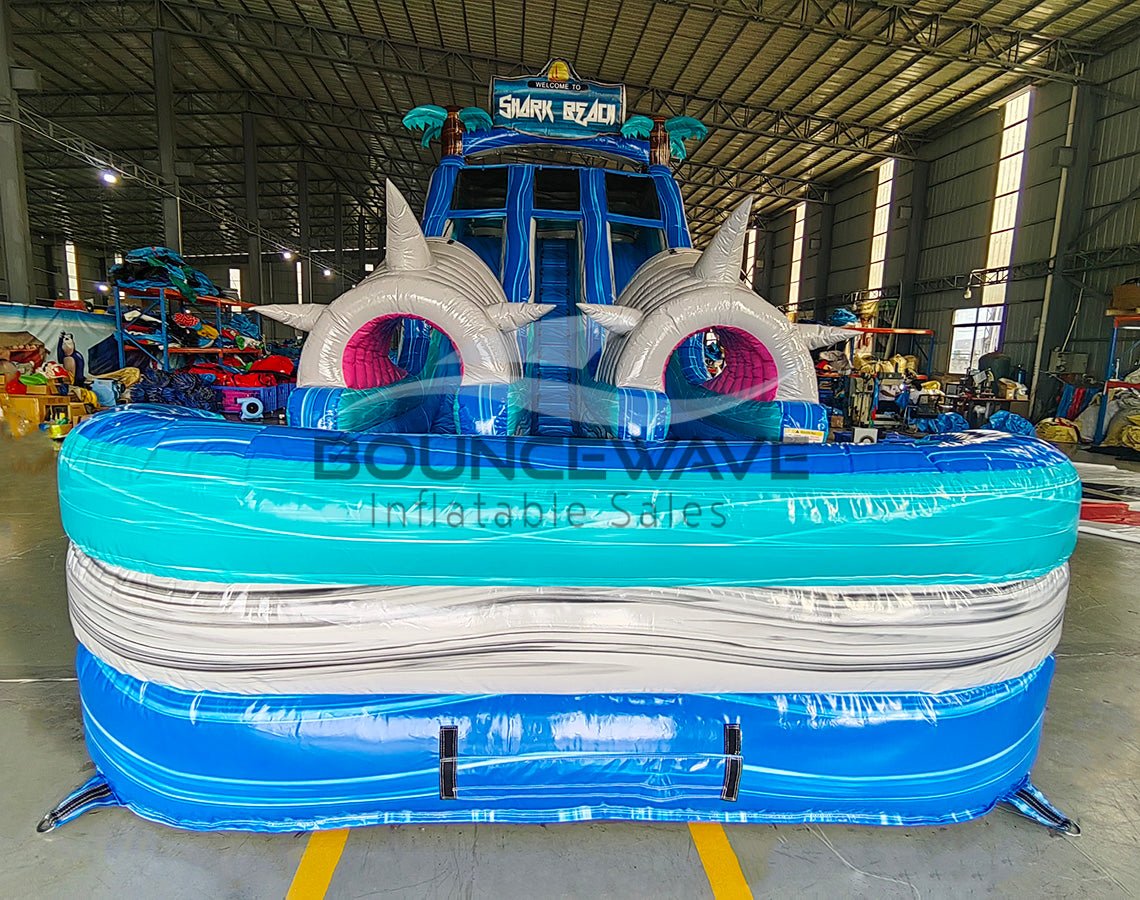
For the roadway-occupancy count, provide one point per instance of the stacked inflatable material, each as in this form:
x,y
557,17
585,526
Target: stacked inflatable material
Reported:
x,y
433,598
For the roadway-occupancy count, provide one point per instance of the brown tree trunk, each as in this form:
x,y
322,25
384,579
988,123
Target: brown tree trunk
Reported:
x,y
452,134
659,151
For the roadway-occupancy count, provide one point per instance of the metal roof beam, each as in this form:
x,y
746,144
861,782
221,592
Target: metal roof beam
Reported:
x,y
410,171
83,148
746,182
906,28
421,61
339,115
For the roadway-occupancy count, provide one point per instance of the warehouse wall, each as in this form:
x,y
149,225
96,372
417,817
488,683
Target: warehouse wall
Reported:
x,y
278,278
49,264
50,273
1114,173
959,202
782,230
954,233
851,234
845,271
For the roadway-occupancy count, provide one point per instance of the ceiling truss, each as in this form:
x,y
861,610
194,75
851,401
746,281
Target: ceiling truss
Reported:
x,y
329,89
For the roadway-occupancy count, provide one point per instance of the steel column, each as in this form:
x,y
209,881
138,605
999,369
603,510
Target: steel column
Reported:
x,y
763,284
919,178
15,233
167,141
338,242
361,240
1059,299
823,254
253,243
304,259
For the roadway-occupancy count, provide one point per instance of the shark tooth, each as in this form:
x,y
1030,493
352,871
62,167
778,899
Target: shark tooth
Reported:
x,y
302,316
513,316
615,319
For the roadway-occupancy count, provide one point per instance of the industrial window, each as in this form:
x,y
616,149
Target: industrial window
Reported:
x,y
300,283
71,258
976,332
881,225
1007,193
235,281
797,261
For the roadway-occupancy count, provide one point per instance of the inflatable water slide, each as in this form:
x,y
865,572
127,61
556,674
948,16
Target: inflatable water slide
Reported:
x,y
554,532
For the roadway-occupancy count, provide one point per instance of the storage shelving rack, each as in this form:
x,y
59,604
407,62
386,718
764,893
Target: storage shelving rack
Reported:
x,y
914,334
1119,324
156,302
858,397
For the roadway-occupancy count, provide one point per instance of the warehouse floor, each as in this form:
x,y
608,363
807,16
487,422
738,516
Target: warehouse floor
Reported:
x,y
1089,766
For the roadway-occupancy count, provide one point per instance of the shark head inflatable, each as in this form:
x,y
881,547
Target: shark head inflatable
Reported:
x,y
679,293
440,282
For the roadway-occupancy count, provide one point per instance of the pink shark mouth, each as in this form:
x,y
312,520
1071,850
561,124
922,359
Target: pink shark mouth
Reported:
x,y
750,371
366,361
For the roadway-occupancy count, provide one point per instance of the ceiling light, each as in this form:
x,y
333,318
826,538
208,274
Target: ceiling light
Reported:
x,y
102,288
286,254
109,176
327,273
368,267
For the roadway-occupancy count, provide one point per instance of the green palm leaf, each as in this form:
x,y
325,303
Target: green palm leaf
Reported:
x,y
428,119
475,119
637,127
686,127
681,129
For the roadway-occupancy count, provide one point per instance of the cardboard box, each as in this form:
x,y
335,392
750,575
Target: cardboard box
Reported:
x,y
1126,296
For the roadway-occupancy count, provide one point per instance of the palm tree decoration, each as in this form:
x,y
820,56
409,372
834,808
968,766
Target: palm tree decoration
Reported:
x,y
637,127
677,129
429,119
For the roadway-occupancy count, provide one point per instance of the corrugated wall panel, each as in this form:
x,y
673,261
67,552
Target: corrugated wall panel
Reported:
x,y
1107,223
955,232
781,257
851,234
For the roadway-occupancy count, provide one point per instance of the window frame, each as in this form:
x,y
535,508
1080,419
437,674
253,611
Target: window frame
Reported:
x,y
881,225
986,318
795,270
1009,188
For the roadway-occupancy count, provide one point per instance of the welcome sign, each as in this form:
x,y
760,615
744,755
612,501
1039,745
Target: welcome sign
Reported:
x,y
557,103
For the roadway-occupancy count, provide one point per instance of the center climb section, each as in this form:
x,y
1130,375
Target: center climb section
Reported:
x,y
552,366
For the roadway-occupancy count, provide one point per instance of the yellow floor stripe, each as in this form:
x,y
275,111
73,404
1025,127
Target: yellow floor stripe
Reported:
x,y
318,863
722,868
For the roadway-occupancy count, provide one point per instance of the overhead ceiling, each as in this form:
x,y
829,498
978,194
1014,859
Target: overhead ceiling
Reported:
x,y
797,93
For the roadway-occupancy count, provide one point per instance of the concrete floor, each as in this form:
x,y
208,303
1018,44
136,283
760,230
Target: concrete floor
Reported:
x,y
1089,766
